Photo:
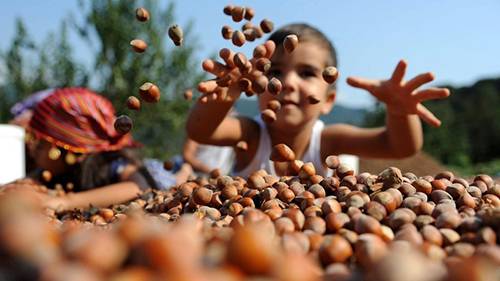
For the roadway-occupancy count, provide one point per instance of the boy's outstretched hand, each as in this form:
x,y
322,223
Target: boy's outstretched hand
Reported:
x,y
401,97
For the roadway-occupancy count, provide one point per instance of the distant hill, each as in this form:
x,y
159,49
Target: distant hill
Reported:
x,y
339,114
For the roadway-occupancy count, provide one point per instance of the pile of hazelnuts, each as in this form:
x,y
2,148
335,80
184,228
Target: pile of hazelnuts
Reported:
x,y
390,226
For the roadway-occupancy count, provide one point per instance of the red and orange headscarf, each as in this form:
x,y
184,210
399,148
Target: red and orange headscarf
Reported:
x,y
78,120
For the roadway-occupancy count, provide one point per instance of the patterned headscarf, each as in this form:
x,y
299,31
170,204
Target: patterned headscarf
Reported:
x,y
78,120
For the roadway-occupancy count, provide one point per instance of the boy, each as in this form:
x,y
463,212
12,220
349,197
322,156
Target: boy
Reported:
x,y
297,123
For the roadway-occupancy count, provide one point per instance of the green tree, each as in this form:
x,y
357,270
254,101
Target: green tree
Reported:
x,y
108,27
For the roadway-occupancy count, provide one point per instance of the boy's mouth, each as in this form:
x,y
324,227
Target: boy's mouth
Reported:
x,y
288,102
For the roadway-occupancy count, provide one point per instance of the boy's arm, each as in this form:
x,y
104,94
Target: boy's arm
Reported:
x,y
189,155
402,136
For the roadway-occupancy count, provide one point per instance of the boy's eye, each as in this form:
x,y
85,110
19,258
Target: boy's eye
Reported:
x,y
274,72
306,73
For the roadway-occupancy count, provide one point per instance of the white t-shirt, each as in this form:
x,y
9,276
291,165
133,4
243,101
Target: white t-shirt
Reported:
x,y
312,154
261,158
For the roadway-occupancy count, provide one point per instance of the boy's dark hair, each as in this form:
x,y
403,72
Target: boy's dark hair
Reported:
x,y
306,33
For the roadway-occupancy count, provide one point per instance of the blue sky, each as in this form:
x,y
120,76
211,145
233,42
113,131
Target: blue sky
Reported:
x,y
458,40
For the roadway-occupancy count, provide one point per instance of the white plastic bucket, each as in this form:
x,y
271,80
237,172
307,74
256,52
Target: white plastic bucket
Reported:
x,y
351,161
12,158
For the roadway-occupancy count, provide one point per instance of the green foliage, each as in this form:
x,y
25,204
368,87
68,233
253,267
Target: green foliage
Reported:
x,y
115,70
470,132
110,26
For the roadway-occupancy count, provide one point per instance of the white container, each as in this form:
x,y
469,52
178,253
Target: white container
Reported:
x,y
351,161
12,157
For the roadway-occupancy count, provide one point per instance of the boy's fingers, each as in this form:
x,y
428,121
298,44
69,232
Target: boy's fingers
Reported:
x,y
432,94
227,55
208,86
427,116
270,48
362,83
214,67
419,80
399,71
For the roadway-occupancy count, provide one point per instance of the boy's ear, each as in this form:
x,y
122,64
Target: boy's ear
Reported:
x,y
330,100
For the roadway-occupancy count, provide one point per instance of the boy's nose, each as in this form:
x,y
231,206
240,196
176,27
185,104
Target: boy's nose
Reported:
x,y
289,82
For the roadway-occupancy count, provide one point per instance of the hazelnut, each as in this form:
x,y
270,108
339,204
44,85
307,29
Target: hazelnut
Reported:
x,y
344,170
263,64
334,249
149,92
175,33
249,34
133,103
316,224
330,206
390,177
369,249
486,179
400,217
284,225
274,86
202,195
367,224
438,195
259,52
256,181
307,170
296,216
432,235
376,210
330,74
227,32
387,200
332,162
138,45
422,185
450,236
228,10
266,25
282,153
456,190
290,43
141,14
237,13
123,124
249,13
234,209
259,84
286,195
238,38
336,221
317,190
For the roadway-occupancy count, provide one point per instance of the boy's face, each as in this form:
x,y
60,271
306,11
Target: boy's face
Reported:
x,y
301,76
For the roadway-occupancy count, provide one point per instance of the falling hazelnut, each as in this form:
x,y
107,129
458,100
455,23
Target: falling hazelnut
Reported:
x,y
138,45
238,38
259,84
141,14
227,32
266,25
290,43
274,86
149,92
188,94
123,124
263,64
330,74
133,103
237,13
249,13
175,33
